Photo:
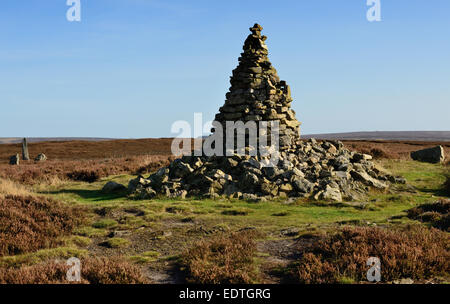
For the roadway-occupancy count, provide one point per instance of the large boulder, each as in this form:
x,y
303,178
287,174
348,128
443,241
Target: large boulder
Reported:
x,y
431,155
113,187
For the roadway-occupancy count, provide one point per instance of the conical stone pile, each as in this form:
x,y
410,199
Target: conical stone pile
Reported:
x,y
257,94
319,170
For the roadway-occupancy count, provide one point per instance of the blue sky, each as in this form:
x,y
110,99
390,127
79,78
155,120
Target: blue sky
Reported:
x,y
131,68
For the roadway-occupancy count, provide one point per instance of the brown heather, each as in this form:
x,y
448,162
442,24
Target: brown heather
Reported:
x,y
392,149
226,259
416,252
30,223
437,214
31,173
93,271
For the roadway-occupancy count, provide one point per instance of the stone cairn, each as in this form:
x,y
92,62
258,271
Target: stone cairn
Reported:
x,y
318,170
257,94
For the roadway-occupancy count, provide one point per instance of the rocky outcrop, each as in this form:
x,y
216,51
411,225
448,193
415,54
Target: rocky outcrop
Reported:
x,y
431,155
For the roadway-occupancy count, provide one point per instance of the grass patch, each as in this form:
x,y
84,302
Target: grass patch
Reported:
x,y
41,255
105,223
116,243
90,232
145,257
77,241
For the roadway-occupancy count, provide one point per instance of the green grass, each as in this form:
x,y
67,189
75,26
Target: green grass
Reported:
x,y
90,232
145,257
41,255
268,216
181,217
77,241
117,243
105,223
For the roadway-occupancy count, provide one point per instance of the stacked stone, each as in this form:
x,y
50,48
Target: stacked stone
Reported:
x,y
257,94
317,170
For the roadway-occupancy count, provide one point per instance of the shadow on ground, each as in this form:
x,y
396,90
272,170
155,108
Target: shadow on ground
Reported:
x,y
92,195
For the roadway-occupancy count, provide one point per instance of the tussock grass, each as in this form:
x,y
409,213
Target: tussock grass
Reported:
x,y
105,223
116,243
40,256
8,187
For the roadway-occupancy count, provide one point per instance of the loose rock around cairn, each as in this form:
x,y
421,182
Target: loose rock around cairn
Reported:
x,y
319,170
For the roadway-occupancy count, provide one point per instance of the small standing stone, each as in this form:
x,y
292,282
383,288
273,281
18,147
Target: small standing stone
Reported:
x,y
14,160
41,157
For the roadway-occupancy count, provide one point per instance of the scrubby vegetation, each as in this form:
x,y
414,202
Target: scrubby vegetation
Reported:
x,y
93,271
416,253
226,259
437,214
391,149
30,223
8,187
81,170
281,240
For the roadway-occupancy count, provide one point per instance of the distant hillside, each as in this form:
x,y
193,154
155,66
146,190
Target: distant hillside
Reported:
x,y
386,135
15,140
376,135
